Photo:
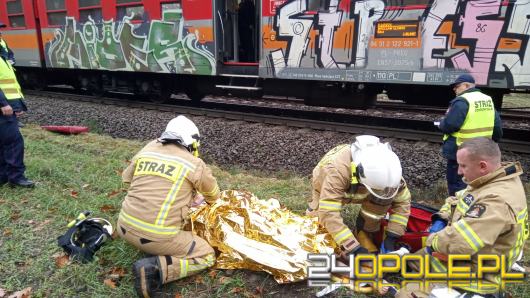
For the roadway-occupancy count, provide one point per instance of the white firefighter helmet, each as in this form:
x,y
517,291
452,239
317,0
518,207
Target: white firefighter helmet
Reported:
x,y
183,131
378,167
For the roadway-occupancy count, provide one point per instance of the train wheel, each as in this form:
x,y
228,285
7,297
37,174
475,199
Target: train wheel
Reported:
x,y
95,87
163,96
194,93
36,82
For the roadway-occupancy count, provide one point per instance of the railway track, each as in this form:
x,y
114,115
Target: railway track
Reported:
x,y
514,139
506,114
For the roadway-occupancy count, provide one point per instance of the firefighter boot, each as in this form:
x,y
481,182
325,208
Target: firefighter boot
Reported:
x,y
147,276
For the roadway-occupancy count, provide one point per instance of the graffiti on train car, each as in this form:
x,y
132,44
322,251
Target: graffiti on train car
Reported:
x,y
399,40
165,46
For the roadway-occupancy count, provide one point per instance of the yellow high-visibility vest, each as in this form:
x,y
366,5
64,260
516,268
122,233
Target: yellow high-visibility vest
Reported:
x,y
8,81
480,118
3,44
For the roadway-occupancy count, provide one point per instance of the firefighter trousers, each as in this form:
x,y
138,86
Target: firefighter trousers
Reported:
x,y
181,256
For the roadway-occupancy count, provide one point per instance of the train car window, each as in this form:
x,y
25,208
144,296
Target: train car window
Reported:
x,y
14,6
130,8
56,12
15,14
167,5
90,9
88,3
314,5
55,4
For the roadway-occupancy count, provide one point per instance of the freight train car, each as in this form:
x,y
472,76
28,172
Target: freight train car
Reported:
x,y
411,48
329,52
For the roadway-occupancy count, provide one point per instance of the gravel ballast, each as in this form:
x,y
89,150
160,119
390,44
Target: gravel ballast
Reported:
x,y
252,146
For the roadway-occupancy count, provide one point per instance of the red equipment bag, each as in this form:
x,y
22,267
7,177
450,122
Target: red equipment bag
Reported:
x,y
417,228
66,129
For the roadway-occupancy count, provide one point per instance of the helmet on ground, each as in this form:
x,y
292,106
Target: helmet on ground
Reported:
x,y
182,131
85,236
377,167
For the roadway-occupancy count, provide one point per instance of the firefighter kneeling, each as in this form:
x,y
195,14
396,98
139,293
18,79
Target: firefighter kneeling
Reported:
x,y
368,173
489,217
165,176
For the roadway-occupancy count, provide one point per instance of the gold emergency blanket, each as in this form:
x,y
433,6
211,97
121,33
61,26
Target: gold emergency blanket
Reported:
x,y
260,235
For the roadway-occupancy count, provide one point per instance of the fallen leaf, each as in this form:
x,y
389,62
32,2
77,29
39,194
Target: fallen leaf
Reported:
x,y
15,216
113,193
117,272
61,259
26,293
23,201
85,185
118,172
224,280
259,290
110,283
199,279
41,225
212,273
2,293
74,194
7,232
178,295
236,290
107,208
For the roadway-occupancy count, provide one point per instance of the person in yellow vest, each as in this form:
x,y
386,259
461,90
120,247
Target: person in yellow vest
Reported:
x,y
471,114
490,216
11,141
5,51
165,178
368,173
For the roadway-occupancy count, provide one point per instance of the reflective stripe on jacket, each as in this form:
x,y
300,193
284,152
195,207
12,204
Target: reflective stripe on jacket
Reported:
x,y
164,180
489,217
8,81
480,118
331,189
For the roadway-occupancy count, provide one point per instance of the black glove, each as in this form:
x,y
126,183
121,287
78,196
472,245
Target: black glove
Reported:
x,y
390,242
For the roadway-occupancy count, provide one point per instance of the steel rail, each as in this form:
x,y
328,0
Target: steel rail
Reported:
x,y
514,140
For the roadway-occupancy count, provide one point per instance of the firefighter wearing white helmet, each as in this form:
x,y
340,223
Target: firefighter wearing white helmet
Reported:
x,y
165,178
366,172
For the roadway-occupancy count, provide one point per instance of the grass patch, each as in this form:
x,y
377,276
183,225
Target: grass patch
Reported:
x,y
76,173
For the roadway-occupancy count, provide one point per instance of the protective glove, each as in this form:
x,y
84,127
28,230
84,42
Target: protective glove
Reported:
x,y
360,250
437,225
389,244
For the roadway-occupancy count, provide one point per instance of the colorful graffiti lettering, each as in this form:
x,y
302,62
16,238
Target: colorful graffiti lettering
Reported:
x,y
429,41
165,47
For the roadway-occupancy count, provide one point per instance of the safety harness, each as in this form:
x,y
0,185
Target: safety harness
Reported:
x,y
85,236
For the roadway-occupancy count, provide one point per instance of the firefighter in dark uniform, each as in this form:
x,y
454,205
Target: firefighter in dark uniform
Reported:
x,y
165,178
11,141
471,114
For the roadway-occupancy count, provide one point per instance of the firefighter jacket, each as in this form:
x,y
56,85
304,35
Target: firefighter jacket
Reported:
x,y
332,188
471,114
488,217
164,180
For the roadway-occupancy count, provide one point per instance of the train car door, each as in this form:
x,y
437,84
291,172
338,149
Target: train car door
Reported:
x,y
237,30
